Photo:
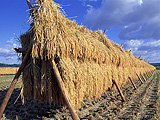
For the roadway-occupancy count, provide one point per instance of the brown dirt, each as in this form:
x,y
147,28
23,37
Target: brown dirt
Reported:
x,y
141,104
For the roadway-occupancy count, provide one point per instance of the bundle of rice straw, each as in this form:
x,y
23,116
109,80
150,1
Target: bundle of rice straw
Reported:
x,y
87,60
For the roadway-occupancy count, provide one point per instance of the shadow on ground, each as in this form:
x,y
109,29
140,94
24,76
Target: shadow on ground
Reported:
x,y
30,110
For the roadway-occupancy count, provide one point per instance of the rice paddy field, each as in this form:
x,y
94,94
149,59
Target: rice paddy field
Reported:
x,y
8,70
141,103
5,81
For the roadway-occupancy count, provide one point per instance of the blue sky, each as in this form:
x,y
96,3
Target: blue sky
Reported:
x,y
133,23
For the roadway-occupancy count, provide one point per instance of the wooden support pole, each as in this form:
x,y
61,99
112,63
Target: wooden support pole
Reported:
x,y
139,78
32,9
132,83
15,79
104,31
20,50
63,90
144,78
119,90
85,26
148,75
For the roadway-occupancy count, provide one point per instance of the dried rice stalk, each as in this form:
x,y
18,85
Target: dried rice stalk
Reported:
x,y
87,61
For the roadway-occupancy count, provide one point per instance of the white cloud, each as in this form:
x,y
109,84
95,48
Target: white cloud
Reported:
x,y
15,45
132,44
10,58
151,46
10,41
137,1
89,6
139,19
88,0
7,53
140,2
148,51
85,1
93,0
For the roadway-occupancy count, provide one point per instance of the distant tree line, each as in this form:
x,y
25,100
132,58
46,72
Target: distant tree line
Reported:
x,y
9,65
157,65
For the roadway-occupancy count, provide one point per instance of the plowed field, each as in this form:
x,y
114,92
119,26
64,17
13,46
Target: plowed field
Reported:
x,y
141,104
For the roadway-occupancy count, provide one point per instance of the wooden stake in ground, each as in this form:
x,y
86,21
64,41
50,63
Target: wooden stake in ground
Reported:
x,y
9,92
63,90
148,75
139,78
132,82
144,78
119,90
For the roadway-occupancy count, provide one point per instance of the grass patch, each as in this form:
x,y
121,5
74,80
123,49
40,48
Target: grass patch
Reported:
x,y
158,77
154,76
158,68
5,80
6,76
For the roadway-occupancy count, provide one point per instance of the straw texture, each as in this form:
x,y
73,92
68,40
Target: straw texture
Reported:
x,y
87,60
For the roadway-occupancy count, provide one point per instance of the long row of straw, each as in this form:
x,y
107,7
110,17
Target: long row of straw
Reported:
x,y
87,60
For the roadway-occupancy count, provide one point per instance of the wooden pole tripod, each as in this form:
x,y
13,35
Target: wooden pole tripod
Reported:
x,y
15,79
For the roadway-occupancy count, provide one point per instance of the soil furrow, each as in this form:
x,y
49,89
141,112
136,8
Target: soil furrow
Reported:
x,y
148,107
133,105
108,106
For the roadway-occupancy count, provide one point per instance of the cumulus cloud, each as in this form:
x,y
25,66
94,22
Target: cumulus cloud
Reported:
x,y
132,44
85,1
10,41
148,51
88,0
10,58
139,19
151,46
7,53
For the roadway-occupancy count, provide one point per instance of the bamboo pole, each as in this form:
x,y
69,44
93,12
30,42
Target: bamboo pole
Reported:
x,y
132,83
15,79
139,78
119,90
63,90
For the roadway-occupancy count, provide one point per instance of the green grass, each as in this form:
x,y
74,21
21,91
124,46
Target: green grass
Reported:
x,y
158,68
6,76
5,80
154,76
158,88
